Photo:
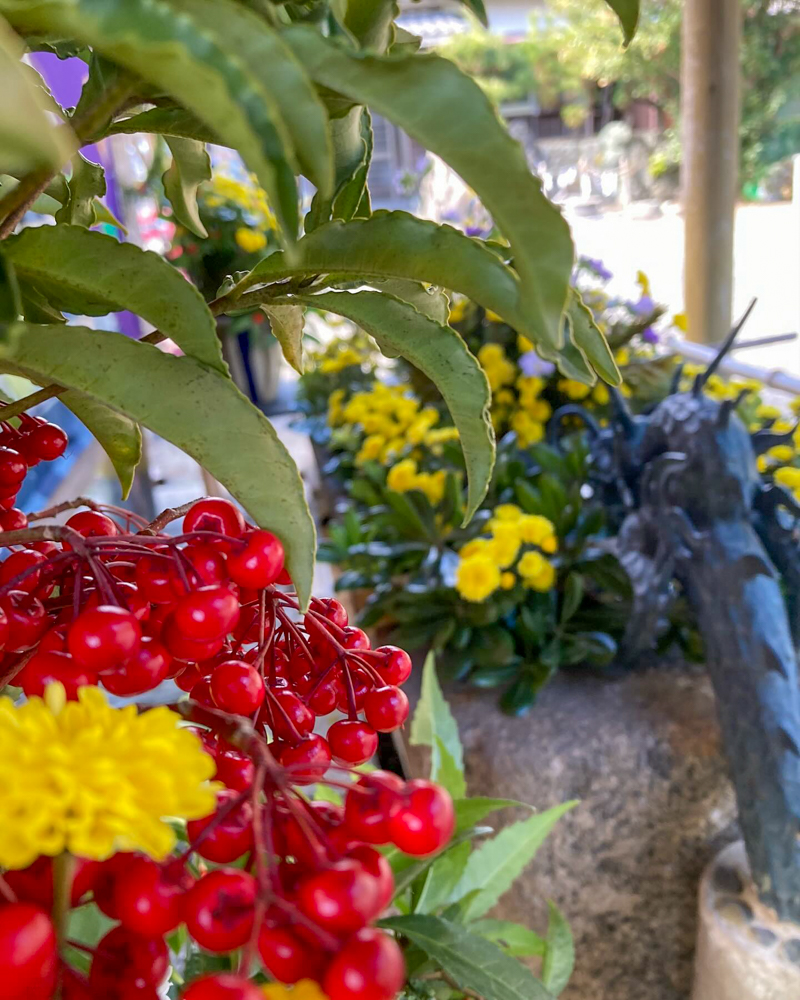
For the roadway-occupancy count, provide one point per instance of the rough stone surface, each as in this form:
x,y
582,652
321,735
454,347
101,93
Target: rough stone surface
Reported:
x,y
643,756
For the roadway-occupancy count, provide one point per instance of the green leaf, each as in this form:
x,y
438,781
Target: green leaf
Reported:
x,y
118,435
195,408
398,245
103,214
371,21
10,301
351,138
192,61
588,338
191,165
448,113
440,879
559,956
87,183
573,595
445,771
440,353
27,138
472,810
286,323
298,113
165,121
89,273
478,9
495,865
472,962
628,13
433,719
513,938
407,869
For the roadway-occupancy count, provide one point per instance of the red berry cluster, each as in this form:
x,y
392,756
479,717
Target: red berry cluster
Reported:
x,y
34,441
213,608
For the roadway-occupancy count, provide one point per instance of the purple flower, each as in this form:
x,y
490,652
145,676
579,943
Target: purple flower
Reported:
x,y
599,268
644,306
649,336
475,231
532,365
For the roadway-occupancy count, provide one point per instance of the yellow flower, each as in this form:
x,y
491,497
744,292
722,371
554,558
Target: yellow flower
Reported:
x,y
573,389
788,476
371,449
623,357
507,540
679,321
507,580
432,485
762,463
306,989
767,412
781,453
536,572
600,393
477,577
493,317
250,240
458,310
537,530
643,282
81,776
507,512
403,476
528,430
523,344
478,546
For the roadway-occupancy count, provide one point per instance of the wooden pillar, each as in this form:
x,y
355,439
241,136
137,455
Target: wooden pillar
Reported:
x,y
710,169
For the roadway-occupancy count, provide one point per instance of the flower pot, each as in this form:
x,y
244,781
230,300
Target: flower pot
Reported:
x,y
743,951
642,756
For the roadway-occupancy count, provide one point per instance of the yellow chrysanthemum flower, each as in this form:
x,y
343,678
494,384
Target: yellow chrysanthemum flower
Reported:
x,y
536,572
528,430
767,412
250,240
781,453
81,776
432,485
573,389
600,393
458,310
524,344
306,989
623,357
788,476
507,542
371,449
507,512
679,321
534,528
643,282
478,546
493,317
402,477
507,580
477,577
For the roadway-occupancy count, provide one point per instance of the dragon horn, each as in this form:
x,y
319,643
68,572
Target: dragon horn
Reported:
x,y
727,406
726,345
764,440
675,381
620,412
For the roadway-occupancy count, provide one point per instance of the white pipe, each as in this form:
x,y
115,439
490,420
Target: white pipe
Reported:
x,y
776,378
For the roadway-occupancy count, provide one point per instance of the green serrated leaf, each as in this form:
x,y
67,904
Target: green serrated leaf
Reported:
x,y
391,245
191,165
628,13
167,394
472,810
351,139
90,273
478,9
559,956
433,719
371,22
495,865
192,61
472,962
444,110
286,323
513,938
118,435
445,771
27,138
87,183
588,338
103,214
10,300
439,880
165,121
440,353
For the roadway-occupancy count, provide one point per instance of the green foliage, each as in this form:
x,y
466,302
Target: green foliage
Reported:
x,y
442,900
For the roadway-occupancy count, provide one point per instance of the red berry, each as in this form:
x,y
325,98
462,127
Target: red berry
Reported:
x,y
105,882
103,638
340,898
27,620
355,638
206,613
386,708
47,668
308,761
371,804
13,468
182,648
235,770
148,897
230,838
352,741
331,609
146,669
396,668
284,704
123,957
7,502
28,956
189,676
369,967
17,563
376,865
222,986
34,884
259,562
159,580
208,564
201,693
425,821
91,524
323,700
48,442
219,909
285,957
215,514
13,520
237,687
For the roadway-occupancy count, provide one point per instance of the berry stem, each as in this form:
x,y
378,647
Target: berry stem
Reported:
x,y
63,872
170,514
7,892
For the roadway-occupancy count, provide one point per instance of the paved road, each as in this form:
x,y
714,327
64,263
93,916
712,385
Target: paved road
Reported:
x,y
767,265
